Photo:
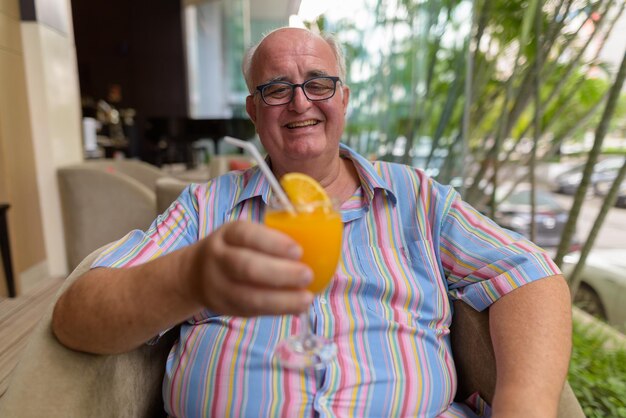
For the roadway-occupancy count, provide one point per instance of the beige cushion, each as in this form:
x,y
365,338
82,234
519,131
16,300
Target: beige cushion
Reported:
x,y
53,381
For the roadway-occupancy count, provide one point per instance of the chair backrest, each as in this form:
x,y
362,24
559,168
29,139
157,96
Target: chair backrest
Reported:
x,y
51,380
167,190
144,173
99,207
222,164
475,360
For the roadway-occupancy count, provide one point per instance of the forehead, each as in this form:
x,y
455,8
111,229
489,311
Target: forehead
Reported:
x,y
292,54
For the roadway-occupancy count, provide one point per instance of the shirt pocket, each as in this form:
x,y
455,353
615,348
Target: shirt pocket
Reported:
x,y
403,284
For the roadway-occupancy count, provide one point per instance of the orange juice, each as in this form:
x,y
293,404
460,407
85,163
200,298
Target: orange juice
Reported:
x,y
319,233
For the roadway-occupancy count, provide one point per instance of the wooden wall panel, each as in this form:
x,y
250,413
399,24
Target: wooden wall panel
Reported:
x,y
17,164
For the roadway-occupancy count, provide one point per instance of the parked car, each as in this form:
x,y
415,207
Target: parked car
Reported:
x,y
568,181
602,189
603,178
603,172
621,196
602,290
514,213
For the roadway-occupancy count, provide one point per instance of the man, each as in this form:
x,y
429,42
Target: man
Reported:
x,y
409,245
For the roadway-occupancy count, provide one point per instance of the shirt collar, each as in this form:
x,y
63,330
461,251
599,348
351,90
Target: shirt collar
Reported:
x,y
255,183
371,181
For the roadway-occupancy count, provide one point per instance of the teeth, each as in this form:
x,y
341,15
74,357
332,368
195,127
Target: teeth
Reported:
x,y
301,124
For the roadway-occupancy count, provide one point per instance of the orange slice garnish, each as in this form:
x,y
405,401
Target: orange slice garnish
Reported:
x,y
304,190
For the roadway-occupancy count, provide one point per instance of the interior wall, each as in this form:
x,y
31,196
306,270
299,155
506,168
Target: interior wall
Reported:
x,y
17,163
50,61
39,131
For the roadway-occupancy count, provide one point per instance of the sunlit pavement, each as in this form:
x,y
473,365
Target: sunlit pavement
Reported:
x,y
613,231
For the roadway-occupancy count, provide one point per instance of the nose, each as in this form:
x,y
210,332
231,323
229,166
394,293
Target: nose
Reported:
x,y
300,103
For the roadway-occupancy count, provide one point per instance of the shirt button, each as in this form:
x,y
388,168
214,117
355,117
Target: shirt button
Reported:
x,y
323,300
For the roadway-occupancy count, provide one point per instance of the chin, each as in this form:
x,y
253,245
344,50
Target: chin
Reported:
x,y
306,146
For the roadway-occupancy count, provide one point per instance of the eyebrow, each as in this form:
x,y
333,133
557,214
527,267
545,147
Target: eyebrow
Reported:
x,y
309,75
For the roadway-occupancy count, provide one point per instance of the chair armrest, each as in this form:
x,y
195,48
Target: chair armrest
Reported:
x,y
51,380
476,364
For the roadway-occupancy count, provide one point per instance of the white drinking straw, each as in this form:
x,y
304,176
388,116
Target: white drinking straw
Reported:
x,y
248,146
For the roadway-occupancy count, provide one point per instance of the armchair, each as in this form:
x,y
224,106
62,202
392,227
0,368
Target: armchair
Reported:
x,y
100,206
144,173
53,381
167,190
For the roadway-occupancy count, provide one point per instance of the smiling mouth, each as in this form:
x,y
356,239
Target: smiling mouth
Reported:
x,y
302,124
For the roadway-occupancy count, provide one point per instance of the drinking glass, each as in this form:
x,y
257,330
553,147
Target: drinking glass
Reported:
x,y
317,227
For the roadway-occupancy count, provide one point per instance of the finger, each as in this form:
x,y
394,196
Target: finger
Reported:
x,y
261,238
244,300
251,267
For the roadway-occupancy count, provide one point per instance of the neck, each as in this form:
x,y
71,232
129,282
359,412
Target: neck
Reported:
x,y
339,177
343,185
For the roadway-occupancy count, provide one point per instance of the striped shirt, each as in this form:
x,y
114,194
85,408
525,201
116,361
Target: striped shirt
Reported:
x,y
409,246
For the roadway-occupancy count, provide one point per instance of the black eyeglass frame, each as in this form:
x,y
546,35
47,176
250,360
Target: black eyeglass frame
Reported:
x,y
293,86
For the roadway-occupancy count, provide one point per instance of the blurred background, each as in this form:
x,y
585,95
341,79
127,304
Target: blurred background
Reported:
x,y
518,104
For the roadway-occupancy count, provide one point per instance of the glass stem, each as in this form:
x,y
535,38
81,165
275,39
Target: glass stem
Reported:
x,y
305,327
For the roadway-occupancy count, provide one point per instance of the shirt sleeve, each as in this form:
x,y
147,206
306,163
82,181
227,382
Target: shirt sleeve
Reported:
x,y
483,261
176,228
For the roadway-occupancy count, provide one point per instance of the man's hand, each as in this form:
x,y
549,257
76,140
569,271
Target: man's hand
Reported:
x,y
247,269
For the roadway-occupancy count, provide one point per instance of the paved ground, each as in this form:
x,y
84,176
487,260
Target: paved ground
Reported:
x,y
613,232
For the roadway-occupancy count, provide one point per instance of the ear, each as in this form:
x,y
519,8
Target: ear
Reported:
x,y
251,108
346,98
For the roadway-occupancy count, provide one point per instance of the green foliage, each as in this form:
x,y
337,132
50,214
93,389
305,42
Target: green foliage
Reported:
x,y
579,96
407,69
614,151
597,375
411,86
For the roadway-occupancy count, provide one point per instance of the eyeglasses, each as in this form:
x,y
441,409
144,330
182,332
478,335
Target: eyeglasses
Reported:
x,y
315,89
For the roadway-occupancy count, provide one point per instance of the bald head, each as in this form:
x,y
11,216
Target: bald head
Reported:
x,y
253,56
